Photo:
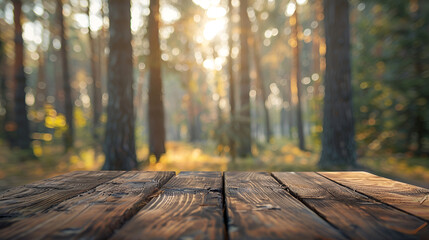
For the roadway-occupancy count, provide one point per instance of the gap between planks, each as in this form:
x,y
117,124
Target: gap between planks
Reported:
x,y
307,205
405,204
96,213
358,216
24,201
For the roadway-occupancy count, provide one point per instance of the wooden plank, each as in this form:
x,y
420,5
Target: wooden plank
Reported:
x,y
358,216
406,197
259,208
20,202
188,207
94,214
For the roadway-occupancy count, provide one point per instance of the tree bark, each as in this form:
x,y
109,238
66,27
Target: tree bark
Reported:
x,y
96,83
22,124
189,83
260,85
418,59
297,73
232,144
244,119
3,91
317,40
155,101
119,145
68,101
338,144
41,82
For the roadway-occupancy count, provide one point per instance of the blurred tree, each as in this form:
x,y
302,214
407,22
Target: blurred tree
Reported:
x,y
40,98
296,76
96,81
261,92
3,90
22,124
244,114
68,101
338,144
119,145
232,84
155,103
190,85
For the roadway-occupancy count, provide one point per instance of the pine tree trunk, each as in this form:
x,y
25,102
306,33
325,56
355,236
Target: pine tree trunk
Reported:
x,y
338,144
119,145
102,60
3,90
191,111
297,73
232,144
22,124
244,119
68,101
189,85
316,40
41,82
155,102
260,86
418,59
96,83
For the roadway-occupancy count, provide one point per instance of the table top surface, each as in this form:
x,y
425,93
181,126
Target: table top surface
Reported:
x,y
215,205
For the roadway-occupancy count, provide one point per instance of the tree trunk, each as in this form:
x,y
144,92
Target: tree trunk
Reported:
x,y
102,58
119,145
189,83
418,59
155,102
41,82
22,124
232,144
244,119
260,85
297,78
191,109
317,40
68,101
338,144
3,91
96,83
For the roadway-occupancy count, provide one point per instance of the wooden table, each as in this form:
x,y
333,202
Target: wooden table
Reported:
x,y
215,205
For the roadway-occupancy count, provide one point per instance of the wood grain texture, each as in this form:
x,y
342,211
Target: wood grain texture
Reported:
x,y
94,214
356,215
20,202
406,197
259,208
189,207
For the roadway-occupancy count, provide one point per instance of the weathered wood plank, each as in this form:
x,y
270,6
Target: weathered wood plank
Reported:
x,y
406,197
356,215
188,207
20,202
259,208
94,214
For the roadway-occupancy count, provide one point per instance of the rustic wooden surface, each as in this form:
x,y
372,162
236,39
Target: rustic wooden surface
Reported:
x,y
94,213
259,208
215,205
20,202
406,197
188,207
355,214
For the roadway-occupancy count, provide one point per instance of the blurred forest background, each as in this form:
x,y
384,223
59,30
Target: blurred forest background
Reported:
x,y
214,85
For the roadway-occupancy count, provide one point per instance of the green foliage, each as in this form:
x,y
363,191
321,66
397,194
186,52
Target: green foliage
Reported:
x,y
390,74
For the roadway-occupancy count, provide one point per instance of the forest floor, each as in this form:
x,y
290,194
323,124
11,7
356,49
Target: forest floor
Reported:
x,y
280,155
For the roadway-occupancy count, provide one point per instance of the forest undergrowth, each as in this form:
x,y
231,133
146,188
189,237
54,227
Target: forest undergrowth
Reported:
x,y
278,155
